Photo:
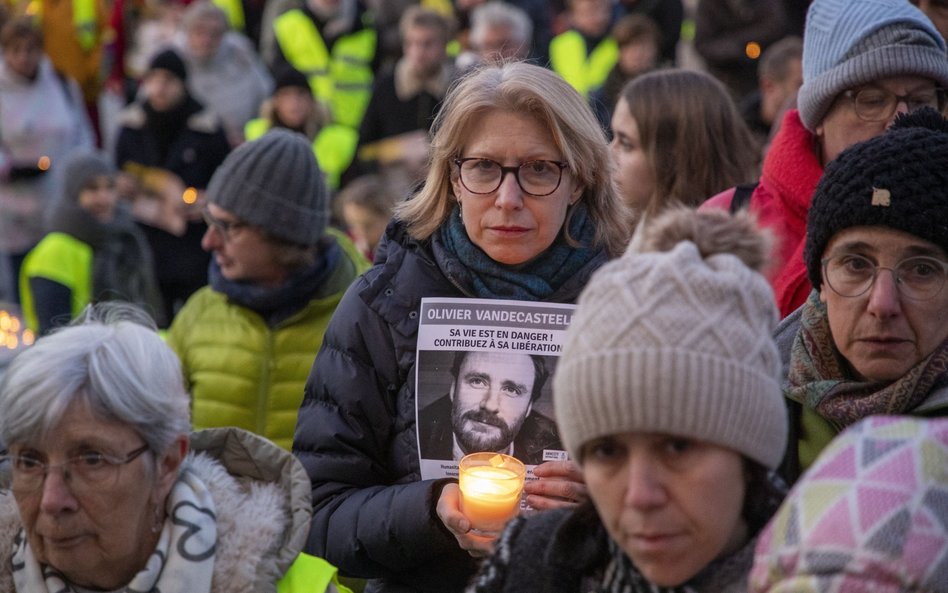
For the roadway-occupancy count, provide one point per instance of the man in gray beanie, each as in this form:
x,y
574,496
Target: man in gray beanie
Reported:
x,y
667,394
247,341
864,61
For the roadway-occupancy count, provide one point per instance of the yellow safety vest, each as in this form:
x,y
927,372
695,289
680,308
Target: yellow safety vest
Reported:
x,y
585,73
310,574
63,259
342,80
235,13
334,147
83,18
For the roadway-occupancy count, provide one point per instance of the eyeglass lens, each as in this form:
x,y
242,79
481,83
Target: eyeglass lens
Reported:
x,y
916,277
484,176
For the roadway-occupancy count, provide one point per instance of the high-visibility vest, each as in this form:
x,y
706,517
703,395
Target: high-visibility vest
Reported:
x,y
343,79
235,13
310,574
83,18
334,147
585,73
63,259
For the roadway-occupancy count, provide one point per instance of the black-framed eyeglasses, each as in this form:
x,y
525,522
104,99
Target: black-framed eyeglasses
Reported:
x,y
224,227
84,473
483,176
918,278
875,104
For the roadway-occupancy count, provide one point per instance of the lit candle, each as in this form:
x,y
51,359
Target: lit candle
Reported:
x,y
491,484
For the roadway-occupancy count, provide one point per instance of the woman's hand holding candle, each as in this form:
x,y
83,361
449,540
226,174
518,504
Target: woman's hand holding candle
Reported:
x,y
491,484
449,511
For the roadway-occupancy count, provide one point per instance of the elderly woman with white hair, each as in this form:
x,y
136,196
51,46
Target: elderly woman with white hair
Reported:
x,y
104,493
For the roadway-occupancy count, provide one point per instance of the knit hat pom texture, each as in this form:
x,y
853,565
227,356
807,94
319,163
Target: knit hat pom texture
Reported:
x,y
677,342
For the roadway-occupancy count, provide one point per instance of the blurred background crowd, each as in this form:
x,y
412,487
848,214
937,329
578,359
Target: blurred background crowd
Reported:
x,y
166,88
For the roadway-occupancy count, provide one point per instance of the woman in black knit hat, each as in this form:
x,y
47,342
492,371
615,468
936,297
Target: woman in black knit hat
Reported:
x,y
873,336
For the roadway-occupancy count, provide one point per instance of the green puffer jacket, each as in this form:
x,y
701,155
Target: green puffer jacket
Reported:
x,y
243,373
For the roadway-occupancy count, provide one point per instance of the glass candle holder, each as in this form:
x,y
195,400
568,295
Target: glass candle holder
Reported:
x,y
491,484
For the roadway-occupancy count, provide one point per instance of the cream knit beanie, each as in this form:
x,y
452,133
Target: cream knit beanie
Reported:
x,y
676,339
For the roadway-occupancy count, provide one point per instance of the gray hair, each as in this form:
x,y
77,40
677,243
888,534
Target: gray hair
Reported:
x,y
500,14
201,11
111,359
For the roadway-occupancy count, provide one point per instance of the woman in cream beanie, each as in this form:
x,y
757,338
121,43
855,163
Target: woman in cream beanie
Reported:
x,y
668,395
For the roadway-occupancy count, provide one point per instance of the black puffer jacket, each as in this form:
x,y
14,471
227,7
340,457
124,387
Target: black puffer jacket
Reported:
x,y
373,517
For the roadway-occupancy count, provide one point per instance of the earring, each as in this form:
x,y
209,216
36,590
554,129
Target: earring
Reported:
x,y
159,522
460,211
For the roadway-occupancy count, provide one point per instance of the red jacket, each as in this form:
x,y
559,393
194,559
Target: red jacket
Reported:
x,y
791,171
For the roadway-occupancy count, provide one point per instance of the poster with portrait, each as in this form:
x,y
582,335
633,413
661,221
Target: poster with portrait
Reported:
x,y
484,381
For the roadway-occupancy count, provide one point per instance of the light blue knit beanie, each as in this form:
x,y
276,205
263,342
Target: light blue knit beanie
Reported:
x,y
848,43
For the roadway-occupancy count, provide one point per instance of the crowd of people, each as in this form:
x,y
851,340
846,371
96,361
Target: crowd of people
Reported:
x,y
318,251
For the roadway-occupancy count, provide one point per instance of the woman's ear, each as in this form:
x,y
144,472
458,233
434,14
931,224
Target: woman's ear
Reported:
x,y
170,463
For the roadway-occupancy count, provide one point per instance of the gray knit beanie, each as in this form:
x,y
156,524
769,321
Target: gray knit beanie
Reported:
x,y
274,183
678,342
80,168
847,43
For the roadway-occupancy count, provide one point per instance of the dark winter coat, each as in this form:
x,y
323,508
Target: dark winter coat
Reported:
x,y
356,436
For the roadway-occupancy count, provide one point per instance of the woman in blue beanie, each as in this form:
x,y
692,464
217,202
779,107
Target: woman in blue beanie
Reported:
x,y
864,62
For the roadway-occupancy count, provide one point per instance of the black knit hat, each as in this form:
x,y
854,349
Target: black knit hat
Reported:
x,y
288,76
169,60
897,180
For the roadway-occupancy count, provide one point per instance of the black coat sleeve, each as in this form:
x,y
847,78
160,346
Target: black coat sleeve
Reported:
x,y
369,518
52,302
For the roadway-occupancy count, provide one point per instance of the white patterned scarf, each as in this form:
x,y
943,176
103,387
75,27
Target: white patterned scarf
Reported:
x,y
183,560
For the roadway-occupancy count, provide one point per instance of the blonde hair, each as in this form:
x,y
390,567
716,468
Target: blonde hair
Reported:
x,y
537,92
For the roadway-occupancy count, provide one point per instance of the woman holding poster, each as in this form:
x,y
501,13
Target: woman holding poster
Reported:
x,y
518,205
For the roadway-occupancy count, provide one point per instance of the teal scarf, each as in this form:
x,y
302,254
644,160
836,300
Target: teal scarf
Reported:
x,y
536,280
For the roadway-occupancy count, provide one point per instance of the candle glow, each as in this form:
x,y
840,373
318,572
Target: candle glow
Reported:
x,y
490,489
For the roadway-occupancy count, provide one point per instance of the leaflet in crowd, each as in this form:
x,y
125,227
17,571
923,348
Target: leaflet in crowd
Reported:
x,y
484,383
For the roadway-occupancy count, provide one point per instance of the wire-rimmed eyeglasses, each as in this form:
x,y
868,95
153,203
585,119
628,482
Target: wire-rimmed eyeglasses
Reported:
x,y
875,104
84,473
918,278
226,228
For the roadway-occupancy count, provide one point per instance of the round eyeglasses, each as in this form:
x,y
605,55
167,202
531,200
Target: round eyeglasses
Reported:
x,y
918,278
875,104
536,178
85,473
